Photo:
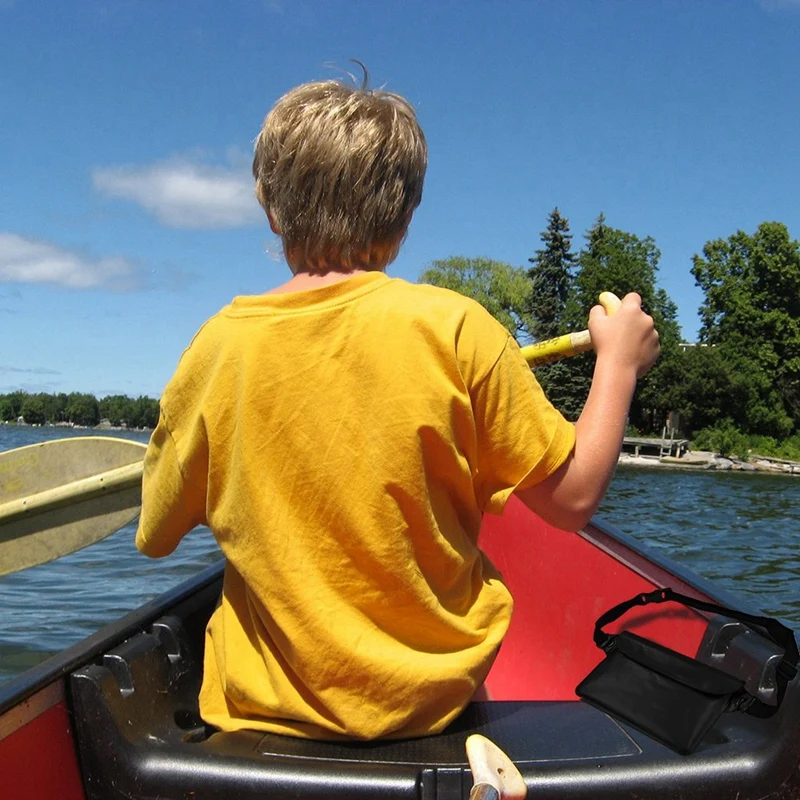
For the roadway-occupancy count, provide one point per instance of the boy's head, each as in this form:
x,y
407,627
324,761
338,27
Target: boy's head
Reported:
x,y
339,171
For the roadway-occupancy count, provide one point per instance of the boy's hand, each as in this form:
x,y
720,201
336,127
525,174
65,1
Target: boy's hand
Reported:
x,y
628,338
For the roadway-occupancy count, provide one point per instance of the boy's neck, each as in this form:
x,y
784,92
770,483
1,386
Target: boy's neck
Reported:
x,y
302,281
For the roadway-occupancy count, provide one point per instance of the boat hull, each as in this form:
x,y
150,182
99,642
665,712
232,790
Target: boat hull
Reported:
x,y
123,705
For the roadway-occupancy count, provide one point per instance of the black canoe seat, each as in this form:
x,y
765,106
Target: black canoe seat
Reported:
x,y
140,736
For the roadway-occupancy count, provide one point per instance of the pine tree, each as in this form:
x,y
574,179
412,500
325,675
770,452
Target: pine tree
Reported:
x,y
551,277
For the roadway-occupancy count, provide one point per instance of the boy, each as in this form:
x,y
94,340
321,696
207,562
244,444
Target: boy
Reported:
x,y
342,436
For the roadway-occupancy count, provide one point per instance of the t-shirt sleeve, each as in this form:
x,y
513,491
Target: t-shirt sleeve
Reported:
x,y
175,480
521,437
173,494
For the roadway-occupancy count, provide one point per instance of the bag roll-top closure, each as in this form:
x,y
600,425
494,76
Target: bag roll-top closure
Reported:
x,y
699,676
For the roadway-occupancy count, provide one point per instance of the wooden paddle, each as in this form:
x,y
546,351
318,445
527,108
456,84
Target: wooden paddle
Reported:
x,y
570,344
61,496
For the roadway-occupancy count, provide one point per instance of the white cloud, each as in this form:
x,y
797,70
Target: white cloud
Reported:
x,y
24,260
6,370
182,194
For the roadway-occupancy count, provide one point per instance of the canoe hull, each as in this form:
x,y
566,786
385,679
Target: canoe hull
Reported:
x,y
42,718
131,695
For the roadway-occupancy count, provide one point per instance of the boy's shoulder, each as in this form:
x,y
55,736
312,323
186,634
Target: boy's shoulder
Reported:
x,y
209,331
445,299
202,348
459,322
440,305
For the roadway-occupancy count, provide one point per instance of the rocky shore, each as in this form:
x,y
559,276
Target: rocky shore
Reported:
x,y
704,459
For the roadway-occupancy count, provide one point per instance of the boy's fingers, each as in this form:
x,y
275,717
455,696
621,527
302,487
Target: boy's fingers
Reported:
x,y
596,312
631,299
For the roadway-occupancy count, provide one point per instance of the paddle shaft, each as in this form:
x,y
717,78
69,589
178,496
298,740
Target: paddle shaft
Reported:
x,y
552,350
570,344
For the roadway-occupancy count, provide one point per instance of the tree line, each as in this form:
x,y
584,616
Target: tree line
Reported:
x,y
736,389
78,409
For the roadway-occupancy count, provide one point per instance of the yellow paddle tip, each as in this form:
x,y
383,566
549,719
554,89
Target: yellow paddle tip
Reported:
x,y
610,302
493,770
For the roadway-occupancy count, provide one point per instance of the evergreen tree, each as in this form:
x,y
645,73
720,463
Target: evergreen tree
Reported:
x,y
551,278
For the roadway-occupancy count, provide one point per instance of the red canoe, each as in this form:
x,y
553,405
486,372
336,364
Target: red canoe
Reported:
x,y
116,716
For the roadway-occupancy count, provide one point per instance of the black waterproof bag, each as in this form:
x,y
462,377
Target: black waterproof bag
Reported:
x,y
667,695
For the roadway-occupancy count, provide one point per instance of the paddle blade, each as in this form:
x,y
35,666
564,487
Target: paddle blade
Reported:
x,y
56,497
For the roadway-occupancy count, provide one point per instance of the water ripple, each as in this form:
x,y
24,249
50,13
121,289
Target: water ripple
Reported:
x,y
737,529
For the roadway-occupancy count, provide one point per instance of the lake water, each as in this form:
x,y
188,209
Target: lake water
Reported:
x,y
738,529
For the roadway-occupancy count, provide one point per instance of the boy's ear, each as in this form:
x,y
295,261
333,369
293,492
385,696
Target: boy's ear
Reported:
x,y
272,224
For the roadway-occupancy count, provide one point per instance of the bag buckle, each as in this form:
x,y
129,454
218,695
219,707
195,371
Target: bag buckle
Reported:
x,y
608,644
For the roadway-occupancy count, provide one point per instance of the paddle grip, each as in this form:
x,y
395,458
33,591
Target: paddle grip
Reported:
x,y
551,350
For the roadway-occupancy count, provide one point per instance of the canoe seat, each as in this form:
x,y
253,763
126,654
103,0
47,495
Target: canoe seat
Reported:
x,y
139,735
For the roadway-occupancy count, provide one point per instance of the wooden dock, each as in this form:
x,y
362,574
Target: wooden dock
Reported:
x,y
657,448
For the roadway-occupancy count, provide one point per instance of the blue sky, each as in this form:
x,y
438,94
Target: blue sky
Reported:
x,y
126,208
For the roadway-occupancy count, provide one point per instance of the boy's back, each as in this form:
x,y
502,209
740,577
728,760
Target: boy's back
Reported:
x,y
342,436
340,439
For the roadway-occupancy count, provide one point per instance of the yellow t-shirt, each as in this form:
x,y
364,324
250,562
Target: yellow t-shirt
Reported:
x,y
342,444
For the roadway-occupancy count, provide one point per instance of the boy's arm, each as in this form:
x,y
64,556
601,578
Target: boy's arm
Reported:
x,y
627,346
173,494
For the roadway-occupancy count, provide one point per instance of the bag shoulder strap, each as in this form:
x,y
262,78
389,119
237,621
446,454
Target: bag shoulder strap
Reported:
x,y
776,631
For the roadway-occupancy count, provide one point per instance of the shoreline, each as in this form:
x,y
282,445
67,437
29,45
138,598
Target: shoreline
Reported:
x,y
706,460
101,426
692,460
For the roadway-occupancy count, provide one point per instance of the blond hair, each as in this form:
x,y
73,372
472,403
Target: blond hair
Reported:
x,y
340,170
